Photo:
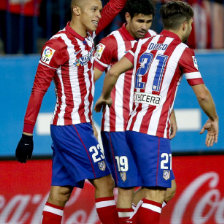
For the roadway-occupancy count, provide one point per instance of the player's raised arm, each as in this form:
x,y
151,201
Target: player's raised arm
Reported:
x,y
109,12
110,80
207,104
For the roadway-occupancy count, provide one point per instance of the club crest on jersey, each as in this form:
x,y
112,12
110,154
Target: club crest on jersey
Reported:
x,y
123,176
195,62
102,165
83,60
166,174
47,54
99,50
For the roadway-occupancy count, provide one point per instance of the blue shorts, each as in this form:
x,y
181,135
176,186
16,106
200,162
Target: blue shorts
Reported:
x,y
120,160
76,155
153,159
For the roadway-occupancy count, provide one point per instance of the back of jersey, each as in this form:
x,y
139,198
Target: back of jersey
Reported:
x,y
111,49
159,63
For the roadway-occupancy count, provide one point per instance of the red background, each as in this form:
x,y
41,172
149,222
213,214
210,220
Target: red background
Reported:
x,y
24,189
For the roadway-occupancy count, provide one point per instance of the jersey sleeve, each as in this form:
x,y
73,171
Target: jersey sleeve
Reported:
x,y
189,67
105,53
109,12
130,55
54,53
42,81
52,58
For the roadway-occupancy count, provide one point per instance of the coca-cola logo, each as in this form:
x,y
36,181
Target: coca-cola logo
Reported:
x,y
210,205
16,210
199,198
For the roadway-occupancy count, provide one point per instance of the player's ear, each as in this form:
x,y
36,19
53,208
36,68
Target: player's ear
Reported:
x,y
127,17
184,26
76,10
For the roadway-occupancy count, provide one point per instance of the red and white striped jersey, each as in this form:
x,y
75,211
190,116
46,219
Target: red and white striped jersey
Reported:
x,y
111,49
159,65
67,58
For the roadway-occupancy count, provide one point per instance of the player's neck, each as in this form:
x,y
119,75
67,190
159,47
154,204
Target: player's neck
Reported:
x,y
129,30
78,27
177,32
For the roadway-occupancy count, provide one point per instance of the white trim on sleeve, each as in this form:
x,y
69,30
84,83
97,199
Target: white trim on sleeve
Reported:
x,y
193,75
47,65
103,64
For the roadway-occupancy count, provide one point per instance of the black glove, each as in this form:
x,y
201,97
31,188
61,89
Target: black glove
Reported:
x,y
24,148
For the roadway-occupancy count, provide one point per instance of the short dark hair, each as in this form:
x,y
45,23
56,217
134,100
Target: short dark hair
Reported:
x,y
174,13
134,7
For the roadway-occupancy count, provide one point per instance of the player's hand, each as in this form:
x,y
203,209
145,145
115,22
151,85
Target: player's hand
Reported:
x,y
24,148
102,103
212,128
173,125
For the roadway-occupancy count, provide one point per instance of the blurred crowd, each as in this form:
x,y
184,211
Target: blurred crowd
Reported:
x,y
24,23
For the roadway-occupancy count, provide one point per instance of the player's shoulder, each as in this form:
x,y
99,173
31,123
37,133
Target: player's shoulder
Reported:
x,y
60,38
187,50
108,43
180,48
54,47
188,57
146,39
56,43
109,39
151,33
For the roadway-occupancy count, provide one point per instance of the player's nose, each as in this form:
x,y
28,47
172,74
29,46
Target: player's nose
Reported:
x,y
98,14
144,26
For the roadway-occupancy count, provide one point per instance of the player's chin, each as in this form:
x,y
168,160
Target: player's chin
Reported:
x,y
141,35
93,27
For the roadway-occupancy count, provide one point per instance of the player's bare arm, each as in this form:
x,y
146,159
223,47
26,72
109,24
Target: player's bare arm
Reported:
x,y
95,132
109,82
207,104
173,125
97,74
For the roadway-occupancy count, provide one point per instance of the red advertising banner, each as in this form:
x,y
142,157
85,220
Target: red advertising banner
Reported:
x,y
199,198
200,191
